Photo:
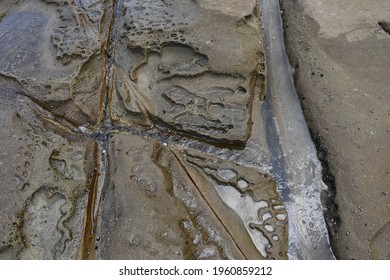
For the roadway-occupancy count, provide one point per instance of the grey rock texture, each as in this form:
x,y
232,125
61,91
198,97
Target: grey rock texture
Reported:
x,y
340,53
129,126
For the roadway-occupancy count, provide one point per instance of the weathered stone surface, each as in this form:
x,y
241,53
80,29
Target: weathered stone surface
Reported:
x,y
380,245
188,66
250,194
123,183
340,50
154,209
54,51
45,172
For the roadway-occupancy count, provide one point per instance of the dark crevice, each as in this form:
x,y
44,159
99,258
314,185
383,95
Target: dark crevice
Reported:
x,y
89,235
100,178
385,25
193,134
110,64
328,197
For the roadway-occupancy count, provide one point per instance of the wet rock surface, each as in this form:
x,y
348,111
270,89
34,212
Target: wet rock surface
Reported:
x,y
164,216
251,195
132,130
339,51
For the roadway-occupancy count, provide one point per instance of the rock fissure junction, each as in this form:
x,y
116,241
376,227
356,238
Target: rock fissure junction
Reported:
x,y
154,129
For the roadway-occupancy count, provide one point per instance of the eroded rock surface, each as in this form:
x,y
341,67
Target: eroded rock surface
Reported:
x,y
133,131
152,209
45,172
250,194
340,51
173,69
52,50
179,213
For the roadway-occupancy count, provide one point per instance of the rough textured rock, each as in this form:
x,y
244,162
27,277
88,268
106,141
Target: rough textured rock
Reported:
x,y
45,171
250,194
340,53
152,209
172,67
123,124
52,49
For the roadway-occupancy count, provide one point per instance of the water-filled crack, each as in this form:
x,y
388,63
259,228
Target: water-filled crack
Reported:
x,y
208,203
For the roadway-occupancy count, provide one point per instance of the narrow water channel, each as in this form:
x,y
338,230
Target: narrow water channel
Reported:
x,y
294,158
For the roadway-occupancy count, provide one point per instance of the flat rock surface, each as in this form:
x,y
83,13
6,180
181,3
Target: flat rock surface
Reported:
x,y
340,53
134,131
